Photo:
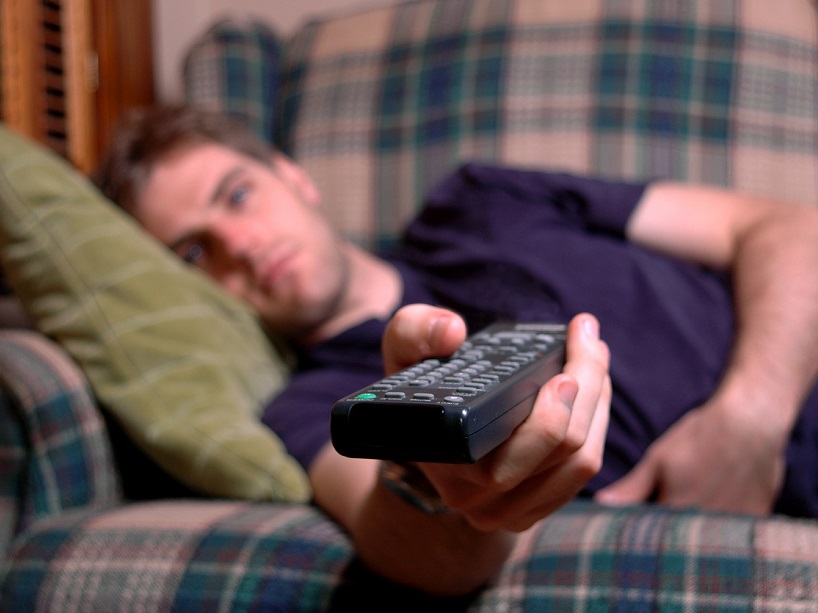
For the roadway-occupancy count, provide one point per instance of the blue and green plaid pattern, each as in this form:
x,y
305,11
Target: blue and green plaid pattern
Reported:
x,y
234,67
717,91
378,106
54,450
225,556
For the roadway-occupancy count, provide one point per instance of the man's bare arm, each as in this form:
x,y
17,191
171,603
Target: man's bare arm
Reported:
x,y
771,250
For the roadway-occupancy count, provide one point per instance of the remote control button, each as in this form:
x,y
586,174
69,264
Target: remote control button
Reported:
x,y
454,398
466,391
395,395
423,396
488,378
366,396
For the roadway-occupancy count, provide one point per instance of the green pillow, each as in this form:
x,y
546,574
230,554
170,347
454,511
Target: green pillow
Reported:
x,y
182,366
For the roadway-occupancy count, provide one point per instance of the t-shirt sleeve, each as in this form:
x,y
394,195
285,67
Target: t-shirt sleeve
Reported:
x,y
590,204
300,415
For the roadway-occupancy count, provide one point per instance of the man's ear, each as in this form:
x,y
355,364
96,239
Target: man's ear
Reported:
x,y
297,178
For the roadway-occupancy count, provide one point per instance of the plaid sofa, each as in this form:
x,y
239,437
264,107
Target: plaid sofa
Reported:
x,y
378,105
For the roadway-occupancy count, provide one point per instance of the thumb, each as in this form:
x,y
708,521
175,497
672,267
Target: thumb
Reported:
x,y
420,331
637,486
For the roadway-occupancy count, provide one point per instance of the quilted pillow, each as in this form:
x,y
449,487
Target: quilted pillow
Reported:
x,y
183,367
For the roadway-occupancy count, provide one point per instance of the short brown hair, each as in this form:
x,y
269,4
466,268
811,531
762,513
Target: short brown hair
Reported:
x,y
147,136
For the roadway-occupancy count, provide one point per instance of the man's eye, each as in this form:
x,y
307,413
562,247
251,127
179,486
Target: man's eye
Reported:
x,y
193,253
238,195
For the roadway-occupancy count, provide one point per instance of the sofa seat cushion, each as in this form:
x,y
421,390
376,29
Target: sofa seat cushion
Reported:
x,y
209,556
185,555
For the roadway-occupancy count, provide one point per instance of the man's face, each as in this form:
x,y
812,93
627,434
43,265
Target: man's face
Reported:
x,y
256,229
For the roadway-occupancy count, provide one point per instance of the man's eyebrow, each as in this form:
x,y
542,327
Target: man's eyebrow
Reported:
x,y
221,186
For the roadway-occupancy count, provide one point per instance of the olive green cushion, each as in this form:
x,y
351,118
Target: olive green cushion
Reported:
x,y
182,366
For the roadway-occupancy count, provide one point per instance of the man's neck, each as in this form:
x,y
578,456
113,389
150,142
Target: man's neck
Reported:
x,y
374,290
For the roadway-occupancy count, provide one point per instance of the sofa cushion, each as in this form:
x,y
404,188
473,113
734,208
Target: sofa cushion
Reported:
x,y
234,68
184,368
220,556
380,104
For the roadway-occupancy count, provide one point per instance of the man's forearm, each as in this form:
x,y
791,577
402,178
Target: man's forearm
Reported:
x,y
771,249
439,554
775,357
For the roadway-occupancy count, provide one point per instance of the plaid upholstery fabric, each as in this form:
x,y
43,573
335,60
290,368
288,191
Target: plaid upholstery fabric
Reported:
x,y
54,451
178,556
224,556
379,105
234,67
585,558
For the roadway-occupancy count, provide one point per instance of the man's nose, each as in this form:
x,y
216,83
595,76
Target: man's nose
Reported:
x,y
236,238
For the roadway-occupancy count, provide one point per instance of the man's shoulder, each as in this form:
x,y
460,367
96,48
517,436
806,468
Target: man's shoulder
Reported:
x,y
477,175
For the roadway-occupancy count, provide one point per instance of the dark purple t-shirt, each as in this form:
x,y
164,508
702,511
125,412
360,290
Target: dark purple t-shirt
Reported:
x,y
495,243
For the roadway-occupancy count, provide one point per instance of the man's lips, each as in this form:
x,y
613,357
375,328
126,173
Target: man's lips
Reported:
x,y
276,267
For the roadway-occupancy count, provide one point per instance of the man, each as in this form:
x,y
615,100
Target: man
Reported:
x,y
705,300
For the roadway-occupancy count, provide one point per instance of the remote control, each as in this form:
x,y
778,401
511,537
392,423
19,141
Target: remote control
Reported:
x,y
454,409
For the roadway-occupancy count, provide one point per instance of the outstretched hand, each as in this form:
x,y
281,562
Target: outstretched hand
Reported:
x,y
549,457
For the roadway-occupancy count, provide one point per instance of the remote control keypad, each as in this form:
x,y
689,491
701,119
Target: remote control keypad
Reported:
x,y
480,364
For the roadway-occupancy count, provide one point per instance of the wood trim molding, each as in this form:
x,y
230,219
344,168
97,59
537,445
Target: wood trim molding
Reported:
x,y
23,82
79,59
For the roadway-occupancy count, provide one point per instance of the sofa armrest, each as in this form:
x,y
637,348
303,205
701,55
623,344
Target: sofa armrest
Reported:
x,y
54,450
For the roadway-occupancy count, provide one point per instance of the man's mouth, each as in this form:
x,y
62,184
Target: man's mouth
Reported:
x,y
276,267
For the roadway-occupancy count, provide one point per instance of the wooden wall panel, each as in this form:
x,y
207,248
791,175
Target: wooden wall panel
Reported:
x,y
22,82
70,68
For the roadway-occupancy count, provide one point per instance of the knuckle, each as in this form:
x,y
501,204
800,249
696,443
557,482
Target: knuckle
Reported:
x,y
573,441
496,477
501,479
588,465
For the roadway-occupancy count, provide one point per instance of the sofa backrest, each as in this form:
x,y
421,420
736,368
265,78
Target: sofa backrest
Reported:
x,y
380,104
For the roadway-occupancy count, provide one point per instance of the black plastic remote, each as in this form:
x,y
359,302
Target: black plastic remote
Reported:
x,y
453,409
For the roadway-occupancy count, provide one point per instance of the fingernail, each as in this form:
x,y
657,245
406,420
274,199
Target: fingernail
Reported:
x,y
568,394
438,327
590,327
